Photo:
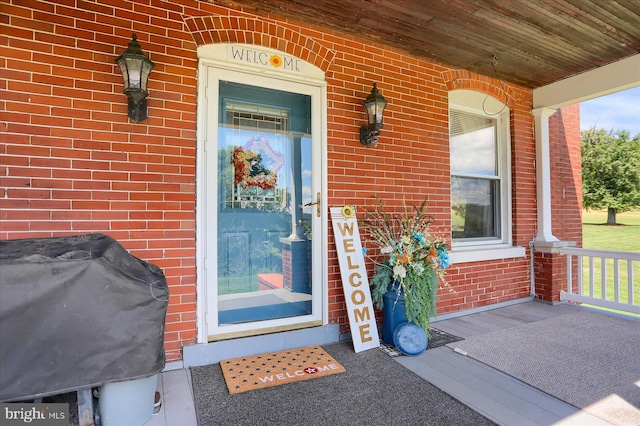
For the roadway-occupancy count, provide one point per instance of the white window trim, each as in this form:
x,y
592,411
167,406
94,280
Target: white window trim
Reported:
x,y
479,254
473,251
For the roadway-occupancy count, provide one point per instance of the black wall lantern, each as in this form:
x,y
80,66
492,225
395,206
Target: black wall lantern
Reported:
x,y
135,67
374,105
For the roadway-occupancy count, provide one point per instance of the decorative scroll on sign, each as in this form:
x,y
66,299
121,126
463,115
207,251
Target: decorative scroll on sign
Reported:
x,y
355,282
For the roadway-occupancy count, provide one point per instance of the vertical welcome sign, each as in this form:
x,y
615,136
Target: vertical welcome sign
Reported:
x,y
355,282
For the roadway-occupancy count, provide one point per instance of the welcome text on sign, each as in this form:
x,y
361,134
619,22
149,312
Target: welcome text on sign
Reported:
x,y
355,282
260,57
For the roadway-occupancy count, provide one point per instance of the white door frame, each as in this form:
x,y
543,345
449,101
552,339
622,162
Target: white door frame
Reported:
x,y
218,62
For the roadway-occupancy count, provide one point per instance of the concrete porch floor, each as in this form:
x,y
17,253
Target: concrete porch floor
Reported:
x,y
492,393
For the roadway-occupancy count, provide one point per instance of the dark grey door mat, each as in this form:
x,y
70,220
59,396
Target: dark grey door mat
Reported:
x,y
375,389
438,338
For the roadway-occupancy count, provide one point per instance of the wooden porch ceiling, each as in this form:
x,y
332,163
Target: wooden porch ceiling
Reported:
x,y
535,42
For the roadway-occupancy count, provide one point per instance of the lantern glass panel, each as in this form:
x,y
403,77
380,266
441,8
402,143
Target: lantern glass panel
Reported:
x,y
380,105
146,70
134,68
123,69
371,112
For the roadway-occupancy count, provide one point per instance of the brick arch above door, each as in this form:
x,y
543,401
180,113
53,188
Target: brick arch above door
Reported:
x,y
224,29
462,79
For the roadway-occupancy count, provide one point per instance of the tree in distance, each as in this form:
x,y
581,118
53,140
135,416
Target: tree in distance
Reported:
x,y
610,171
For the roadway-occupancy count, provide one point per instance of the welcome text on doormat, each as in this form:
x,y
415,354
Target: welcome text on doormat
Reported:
x,y
243,374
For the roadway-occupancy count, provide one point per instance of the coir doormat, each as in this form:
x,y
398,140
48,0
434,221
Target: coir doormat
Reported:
x,y
277,368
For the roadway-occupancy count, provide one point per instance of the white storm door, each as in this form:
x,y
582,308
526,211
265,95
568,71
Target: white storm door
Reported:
x,y
263,213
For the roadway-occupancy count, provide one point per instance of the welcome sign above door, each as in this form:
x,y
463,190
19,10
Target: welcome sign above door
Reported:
x,y
264,58
355,283
260,60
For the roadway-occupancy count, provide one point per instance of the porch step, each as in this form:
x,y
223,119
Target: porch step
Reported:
x,y
214,352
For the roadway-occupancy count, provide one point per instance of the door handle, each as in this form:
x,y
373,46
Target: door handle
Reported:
x,y
317,203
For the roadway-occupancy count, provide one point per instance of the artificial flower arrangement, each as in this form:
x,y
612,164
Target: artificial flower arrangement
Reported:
x,y
409,258
249,170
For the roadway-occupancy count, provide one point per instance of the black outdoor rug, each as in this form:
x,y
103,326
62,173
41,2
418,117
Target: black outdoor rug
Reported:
x,y
438,338
374,390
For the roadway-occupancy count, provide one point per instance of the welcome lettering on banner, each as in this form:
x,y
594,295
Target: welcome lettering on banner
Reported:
x,y
355,283
266,59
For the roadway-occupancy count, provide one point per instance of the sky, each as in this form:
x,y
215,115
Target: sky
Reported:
x,y
617,111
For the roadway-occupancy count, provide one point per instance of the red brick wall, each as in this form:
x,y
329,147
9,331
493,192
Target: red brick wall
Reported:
x,y
566,174
71,162
551,276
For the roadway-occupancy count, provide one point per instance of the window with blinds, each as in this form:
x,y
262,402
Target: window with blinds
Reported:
x,y
475,177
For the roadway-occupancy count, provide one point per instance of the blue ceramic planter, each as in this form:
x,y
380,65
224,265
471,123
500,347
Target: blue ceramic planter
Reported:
x,y
394,313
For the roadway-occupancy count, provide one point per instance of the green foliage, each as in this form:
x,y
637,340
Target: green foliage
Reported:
x,y
419,292
419,298
408,256
381,279
610,170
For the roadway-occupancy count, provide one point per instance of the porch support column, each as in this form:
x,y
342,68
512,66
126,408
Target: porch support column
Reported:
x,y
543,174
550,270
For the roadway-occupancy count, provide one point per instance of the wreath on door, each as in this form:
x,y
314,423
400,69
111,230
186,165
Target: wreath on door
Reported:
x,y
250,170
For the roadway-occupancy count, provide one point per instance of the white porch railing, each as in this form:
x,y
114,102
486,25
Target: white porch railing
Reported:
x,y
609,289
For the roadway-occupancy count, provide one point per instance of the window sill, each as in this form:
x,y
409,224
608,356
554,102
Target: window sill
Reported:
x,y
483,253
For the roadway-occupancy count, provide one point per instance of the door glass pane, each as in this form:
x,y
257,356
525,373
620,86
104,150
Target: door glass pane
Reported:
x,y
264,247
474,208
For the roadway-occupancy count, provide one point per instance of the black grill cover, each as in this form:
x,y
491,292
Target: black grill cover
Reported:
x,y
77,312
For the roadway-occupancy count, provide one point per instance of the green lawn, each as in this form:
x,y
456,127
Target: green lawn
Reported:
x,y
622,238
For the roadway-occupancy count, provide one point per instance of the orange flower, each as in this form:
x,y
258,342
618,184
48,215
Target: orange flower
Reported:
x,y
404,258
276,61
433,255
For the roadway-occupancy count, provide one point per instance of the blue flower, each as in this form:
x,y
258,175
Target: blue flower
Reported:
x,y
418,236
444,258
